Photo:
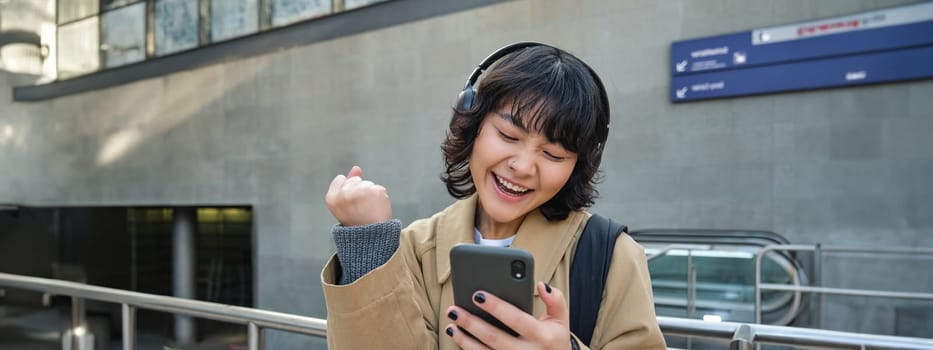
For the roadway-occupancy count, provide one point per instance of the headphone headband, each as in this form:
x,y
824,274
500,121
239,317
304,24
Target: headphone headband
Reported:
x,y
466,97
495,56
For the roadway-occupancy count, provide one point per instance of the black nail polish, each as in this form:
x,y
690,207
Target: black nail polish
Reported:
x,y
547,288
452,315
480,298
450,331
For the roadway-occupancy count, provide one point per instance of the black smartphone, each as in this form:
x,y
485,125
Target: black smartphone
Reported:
x,y
507,273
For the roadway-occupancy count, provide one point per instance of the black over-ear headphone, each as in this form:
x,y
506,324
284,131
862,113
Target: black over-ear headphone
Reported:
x,y
468,96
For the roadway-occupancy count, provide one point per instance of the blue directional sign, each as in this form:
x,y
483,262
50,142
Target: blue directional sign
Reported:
x,y
880,46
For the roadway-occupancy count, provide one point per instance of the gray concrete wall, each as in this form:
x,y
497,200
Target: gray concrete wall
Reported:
x,y
841,167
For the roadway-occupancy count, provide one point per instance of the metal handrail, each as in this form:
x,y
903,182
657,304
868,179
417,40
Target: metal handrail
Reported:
x,y
255,319
783,335
668,248
818,250
258,319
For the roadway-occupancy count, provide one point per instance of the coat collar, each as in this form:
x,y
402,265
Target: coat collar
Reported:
x,y
545,240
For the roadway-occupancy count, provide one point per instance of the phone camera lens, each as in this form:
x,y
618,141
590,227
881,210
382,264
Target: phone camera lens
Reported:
x,y
518,269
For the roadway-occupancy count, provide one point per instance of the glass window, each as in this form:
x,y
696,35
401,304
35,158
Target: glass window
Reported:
x,y
69,10
352,4
123,35
176,25
233,18
290,11
78,48
95,34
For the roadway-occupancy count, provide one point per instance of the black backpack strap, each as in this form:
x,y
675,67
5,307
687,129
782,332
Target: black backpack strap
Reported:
x,y
588,273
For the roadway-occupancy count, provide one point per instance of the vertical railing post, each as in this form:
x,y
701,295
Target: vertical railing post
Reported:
x,y
77,315
255,337
79,336
761,253
691,285
817,281
691,291
129,327
743,338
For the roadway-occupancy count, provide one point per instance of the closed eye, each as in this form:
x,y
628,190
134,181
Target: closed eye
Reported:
x,y
553,157
506,137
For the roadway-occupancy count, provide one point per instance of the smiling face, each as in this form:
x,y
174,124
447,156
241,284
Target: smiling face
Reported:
x,y
515,170
558,101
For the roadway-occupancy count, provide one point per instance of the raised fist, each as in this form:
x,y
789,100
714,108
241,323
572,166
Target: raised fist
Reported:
x,y
356,202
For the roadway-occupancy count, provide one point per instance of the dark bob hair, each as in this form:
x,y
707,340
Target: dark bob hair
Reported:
x,y
552,92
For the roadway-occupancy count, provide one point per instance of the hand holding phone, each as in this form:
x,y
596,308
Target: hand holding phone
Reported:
x,y
507,273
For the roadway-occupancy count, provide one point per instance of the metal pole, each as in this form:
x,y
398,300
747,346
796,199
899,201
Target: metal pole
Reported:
x,y
78,320
129,327
255,337
817,281
758,285
850,292
691,290
183,261
743,338
77,312
874,250
79,330
691,285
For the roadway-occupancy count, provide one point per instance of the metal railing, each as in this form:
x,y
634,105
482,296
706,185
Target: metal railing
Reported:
x,y
691,269
255,319
741,335
691,282
744,336
818,251
668,248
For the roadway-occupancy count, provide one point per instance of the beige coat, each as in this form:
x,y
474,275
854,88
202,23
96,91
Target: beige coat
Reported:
x,y
402,304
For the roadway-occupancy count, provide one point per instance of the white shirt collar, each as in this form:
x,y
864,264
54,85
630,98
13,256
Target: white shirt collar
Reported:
x,y
478,238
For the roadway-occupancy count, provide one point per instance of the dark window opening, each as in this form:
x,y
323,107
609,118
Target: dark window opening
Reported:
x,y
127,248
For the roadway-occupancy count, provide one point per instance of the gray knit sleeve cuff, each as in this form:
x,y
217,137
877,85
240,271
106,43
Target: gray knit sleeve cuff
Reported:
x,y
361,249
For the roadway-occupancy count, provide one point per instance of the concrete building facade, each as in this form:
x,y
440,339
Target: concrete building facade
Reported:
x,y
848,166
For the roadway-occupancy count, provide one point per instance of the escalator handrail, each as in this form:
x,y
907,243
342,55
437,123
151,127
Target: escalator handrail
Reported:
x,y
662,235
795,270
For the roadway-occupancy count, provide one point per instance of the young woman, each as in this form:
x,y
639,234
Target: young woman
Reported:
x,y
522,154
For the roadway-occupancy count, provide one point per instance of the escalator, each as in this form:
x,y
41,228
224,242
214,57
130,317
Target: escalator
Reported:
x,y
710,274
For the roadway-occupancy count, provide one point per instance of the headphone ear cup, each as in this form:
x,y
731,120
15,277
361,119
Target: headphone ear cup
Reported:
x,y
465,99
